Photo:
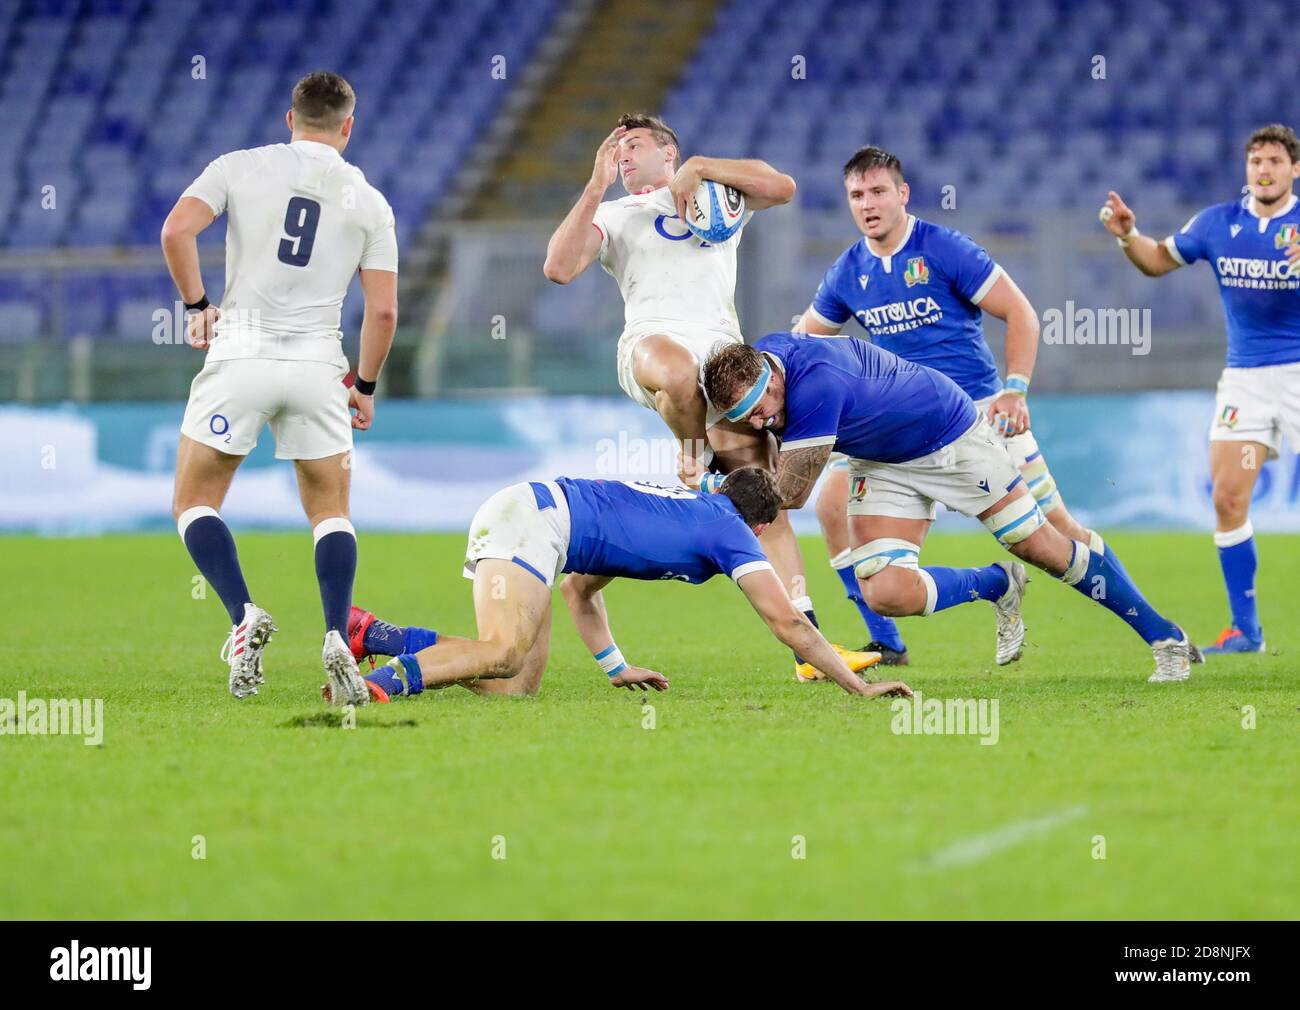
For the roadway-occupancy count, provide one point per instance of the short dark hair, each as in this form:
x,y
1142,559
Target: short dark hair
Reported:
x,y
868,159
322,101
730,372
1276,133
754,492
661,131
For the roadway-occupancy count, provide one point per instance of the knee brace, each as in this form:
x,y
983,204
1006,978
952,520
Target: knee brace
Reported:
x,y
877,555
1039,481
1016,522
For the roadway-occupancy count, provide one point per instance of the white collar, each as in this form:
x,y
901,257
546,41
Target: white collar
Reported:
x,y
316,147
1249,205
887,259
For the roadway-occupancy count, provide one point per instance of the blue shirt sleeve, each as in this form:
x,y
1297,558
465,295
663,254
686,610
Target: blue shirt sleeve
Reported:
x,y
813,408
966,265
1188,245
827,302
736,551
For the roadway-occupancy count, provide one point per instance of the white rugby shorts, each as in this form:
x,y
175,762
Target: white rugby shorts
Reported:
x,y
525,523
1260,404
304,402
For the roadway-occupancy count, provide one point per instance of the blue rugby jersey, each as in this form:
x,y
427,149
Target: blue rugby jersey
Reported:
x,y
1259,290
865,401
921,301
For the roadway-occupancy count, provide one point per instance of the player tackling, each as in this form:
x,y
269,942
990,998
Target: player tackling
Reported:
x,y
914,439
302,222
679,300
526,535
1253,246
921,290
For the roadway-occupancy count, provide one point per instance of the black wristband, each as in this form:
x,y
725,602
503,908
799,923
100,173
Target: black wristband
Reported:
x,y
198,306
365,388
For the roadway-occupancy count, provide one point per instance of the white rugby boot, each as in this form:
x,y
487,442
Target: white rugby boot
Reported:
x,y
346,686
1011,625
1174,659
243,650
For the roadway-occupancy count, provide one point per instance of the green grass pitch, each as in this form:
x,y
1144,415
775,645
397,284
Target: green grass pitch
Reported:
x,y
596,815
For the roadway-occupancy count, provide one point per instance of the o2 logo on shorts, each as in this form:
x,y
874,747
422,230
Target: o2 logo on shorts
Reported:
x,y
659,227
218,425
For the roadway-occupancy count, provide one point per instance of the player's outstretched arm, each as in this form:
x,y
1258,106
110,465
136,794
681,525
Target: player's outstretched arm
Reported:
x,y
582,595
1144,252
762,184
767,596
575,244
379,289
180,244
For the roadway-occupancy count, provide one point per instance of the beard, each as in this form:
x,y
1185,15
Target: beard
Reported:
x,y
1267,201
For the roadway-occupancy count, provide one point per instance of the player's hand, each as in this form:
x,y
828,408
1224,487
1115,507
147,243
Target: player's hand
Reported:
x,y
686,180
606,169
1116,215
364,407
635,676
200,327
888,689
690,470
1009,415
1293,257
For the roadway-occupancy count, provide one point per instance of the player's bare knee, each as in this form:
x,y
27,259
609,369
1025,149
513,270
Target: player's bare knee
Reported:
x,y
1231,504
504,661
886,593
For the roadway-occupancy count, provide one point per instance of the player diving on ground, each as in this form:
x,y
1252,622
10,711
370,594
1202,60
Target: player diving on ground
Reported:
x,y
526,535
914,439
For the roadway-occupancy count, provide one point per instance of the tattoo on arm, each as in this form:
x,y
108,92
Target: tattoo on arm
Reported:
x,y
797,471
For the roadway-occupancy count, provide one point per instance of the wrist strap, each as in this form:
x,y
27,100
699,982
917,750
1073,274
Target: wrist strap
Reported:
x,y
365,388
1016,383
712,482
198,306
1127,238
611,661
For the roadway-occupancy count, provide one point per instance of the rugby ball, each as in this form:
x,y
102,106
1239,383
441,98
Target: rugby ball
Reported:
x,y
715,212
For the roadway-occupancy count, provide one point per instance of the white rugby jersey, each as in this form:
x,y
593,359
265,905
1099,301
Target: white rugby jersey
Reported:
x,y
664,272
301,222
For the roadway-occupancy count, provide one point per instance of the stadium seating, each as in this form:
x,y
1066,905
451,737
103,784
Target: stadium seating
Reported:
x,y
108,102
1011,118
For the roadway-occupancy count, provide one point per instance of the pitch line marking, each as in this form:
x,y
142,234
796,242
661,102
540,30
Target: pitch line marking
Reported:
x,y
977,848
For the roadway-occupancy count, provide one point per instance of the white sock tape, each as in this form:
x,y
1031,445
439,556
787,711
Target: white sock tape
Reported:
x,y
931,592
1230,538
190,514
336,524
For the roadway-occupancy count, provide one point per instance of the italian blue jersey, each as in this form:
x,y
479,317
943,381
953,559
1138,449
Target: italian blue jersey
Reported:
x,y
921,302
863,400
1260,291
639,530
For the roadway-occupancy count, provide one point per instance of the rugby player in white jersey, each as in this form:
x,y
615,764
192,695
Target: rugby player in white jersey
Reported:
x,y
679,298
302,222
